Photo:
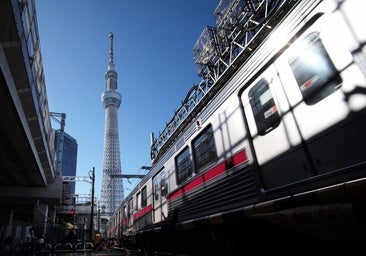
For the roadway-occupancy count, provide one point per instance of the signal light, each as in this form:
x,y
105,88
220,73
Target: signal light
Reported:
x,y
72,212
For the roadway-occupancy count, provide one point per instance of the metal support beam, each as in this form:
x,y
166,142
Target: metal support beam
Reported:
x,y
127,176
76,178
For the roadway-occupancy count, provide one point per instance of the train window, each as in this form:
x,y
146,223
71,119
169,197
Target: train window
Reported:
x,y
204,149
125,211
183,166
130,207
164,184
143,197
138,201
156,188
264,108
314,71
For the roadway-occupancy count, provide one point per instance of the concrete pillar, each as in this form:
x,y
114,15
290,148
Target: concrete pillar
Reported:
x,y
51,236
9,228
40,218
11,216
52,215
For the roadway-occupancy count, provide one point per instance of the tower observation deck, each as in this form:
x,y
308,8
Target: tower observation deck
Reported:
x,y
112,189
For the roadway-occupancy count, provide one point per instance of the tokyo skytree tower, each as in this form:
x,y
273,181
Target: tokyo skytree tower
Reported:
x,y
112,188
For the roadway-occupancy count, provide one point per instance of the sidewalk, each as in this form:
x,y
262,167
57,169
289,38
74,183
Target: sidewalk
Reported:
x,y
111,252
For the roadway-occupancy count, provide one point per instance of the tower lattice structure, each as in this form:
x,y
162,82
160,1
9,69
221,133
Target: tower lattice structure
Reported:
x,y
112,188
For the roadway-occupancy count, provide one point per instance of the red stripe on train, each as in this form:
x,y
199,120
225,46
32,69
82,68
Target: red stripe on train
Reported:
x,y
233,161
142,212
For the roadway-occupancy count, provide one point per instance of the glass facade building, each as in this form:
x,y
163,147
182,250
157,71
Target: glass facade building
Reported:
x,y
69,160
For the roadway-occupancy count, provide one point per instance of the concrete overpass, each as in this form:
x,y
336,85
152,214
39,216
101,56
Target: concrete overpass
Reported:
x,y
28,178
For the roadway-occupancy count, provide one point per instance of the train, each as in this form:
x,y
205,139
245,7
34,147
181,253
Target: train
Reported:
x,y
270,145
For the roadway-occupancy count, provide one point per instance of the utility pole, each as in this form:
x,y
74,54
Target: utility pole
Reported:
x,y
91,227
74,219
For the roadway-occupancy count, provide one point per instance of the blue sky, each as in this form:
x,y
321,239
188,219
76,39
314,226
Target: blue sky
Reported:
x,y
153,42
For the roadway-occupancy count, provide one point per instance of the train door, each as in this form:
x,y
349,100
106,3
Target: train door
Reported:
x,y
306,112
160,191
275,136
326,90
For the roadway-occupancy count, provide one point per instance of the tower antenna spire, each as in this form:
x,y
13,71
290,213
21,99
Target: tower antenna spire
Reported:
x,y
110,47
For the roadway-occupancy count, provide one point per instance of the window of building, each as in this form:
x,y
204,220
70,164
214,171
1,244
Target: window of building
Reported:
x,y
314,71
204,149
183,166
264,108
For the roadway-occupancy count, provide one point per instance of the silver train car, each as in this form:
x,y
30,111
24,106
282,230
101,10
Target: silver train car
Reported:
x,y
270,144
